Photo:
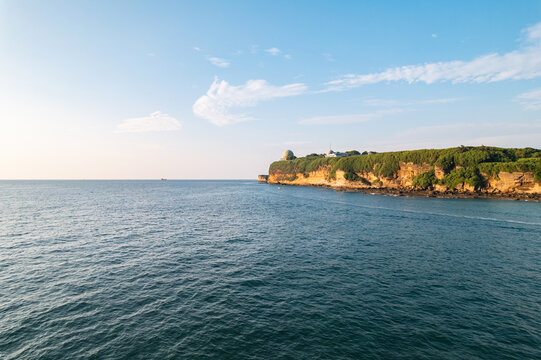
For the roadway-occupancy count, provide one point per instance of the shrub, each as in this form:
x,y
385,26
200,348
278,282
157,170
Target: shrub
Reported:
x,y
425,180
471,177
351,176
446,162
290,177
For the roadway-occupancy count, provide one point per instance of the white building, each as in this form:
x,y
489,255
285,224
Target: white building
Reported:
x,y
332,154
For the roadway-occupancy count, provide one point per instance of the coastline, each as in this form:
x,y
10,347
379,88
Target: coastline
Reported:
x,y
450,194
460,172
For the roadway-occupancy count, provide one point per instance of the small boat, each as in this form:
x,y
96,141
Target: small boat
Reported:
x,y
163,179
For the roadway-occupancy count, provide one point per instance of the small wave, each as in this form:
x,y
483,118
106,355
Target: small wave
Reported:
x,y
417,211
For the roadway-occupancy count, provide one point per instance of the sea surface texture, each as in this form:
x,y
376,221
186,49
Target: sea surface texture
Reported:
x,y
240,270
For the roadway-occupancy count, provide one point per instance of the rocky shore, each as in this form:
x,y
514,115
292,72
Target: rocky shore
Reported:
x,y
455,194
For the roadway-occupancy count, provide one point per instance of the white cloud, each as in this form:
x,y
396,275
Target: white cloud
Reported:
x,y
273,51
524,63
380,102
390,102
154,122
151,54
328,57
223,63
296,142
215,105
196,48
348,119
530,100
434,35
287,56
290,143
493,134
436,101
449,135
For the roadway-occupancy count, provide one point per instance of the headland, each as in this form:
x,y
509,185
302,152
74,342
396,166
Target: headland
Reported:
x,y
465,171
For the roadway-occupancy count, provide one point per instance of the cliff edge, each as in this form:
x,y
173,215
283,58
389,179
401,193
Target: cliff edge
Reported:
x,y
462,171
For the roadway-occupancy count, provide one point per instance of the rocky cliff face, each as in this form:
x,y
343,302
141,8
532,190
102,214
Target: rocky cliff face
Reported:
x,y
504,183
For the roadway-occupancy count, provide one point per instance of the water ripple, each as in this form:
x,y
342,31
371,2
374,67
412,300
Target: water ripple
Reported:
x,y
233,269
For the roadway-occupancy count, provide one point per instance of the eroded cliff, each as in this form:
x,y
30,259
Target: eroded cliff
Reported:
x,y
447,172
505,182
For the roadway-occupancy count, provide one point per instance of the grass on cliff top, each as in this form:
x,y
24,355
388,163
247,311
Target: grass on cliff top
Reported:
x,y
484,159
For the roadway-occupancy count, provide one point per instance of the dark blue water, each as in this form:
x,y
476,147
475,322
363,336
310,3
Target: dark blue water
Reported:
x,y
238,270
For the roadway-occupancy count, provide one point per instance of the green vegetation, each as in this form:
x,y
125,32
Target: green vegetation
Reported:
x,y
290,177
525,164
464,164
470,176
351,176
425,180
353,152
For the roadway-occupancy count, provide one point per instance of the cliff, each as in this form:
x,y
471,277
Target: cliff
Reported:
x,y
463,171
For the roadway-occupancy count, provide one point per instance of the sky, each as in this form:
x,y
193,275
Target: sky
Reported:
x,y
219,89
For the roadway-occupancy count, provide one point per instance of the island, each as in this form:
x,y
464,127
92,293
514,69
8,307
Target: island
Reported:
x,y
464,171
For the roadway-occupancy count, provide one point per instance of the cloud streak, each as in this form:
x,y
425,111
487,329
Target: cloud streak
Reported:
x,y
274,51
493,134
221,97
348,119
530,100
219,62
520,64
157,121
389,102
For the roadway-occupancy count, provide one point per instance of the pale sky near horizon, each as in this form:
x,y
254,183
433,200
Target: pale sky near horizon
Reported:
x,y
218,89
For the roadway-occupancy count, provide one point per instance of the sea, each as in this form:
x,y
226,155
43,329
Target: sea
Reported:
x,y
241,270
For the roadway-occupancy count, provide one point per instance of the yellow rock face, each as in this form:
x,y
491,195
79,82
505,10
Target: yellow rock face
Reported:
x,y
515,183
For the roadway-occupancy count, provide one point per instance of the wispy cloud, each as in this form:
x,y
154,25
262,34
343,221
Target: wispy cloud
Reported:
x,y
274,51
223,63
390,102
196,48
530,100
157,121
287,57
524,63
380,102
328,57
348,119
437,101
289,143
495,134
505,134
434,36
221,97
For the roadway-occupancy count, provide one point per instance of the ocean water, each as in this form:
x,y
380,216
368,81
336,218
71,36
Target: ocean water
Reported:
x,y
240,270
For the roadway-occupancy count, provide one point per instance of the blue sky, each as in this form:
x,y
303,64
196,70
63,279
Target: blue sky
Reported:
x,y
218,89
